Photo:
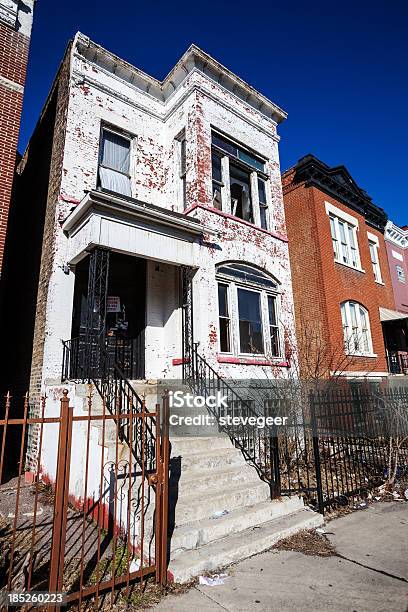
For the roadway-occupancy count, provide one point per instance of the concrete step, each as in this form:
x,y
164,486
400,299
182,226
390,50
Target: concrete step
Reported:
x,y
241,545
198,533
221,478
192,445
202,506
212,459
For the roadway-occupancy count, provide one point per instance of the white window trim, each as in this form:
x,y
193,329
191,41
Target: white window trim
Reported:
x,y
373,239
340,215
107,127
369,353
232,296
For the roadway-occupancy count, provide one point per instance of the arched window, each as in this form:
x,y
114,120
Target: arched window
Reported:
x,y
356,329
248,310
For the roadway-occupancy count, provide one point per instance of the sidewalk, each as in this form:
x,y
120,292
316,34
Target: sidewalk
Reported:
x,y
371,573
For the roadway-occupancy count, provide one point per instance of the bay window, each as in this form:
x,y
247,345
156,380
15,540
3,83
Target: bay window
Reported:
x,y
244,173
114,163
248,311
356,329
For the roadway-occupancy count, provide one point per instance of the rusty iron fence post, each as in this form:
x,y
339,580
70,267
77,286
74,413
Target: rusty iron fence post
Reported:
x,y
61,496
164,492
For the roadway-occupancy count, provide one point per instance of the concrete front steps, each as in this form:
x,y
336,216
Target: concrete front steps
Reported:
x,y
213,478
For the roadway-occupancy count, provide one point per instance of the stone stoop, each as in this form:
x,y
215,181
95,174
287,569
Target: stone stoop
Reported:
x,y
220,511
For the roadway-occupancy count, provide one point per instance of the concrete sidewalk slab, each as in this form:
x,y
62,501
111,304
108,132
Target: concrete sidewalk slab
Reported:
x,y
291,581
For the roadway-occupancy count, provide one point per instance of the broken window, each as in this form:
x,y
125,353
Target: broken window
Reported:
x,y
240,187
217,183
224,319
241,170
114,163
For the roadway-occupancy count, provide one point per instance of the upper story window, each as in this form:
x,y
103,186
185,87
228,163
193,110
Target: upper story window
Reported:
x,y
400,274
239,183
248,311
114,163
374,246
356,329
343,229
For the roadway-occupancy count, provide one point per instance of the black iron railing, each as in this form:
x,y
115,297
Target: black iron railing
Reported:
x,y
258,446
340,441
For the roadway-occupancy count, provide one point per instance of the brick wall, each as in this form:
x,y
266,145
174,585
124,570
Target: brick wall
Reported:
x,y
320,284
13,64
58,130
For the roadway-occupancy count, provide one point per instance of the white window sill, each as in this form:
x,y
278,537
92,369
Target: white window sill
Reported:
x,y
346,265
369,355
380,283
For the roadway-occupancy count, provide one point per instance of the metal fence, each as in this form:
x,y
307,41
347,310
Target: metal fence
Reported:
x,y
345,441
92,517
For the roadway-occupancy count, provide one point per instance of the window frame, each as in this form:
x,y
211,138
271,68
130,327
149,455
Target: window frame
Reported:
x,y
344,236
233,285
255,174
401,278
126,136
374,242
347,324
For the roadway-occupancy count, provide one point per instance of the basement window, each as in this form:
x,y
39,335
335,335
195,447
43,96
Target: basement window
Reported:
x,y
243,172
114,163
248,311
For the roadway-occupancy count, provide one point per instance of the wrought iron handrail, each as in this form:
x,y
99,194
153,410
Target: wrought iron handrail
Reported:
x,y
258,447
114,388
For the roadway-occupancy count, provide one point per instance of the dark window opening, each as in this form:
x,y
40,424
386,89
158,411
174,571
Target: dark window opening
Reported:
x,y
224,319
240,187
250,322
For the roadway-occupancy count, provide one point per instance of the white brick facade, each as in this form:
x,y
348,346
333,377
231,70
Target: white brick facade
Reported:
x,y
199,95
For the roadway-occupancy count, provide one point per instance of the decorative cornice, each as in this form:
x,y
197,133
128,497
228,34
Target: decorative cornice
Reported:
x,y
397,235
193,58
338,183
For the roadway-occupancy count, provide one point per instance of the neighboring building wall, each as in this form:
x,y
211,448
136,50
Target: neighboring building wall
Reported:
x,y
15,30
320,284
396,239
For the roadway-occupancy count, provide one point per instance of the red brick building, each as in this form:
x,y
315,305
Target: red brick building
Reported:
x,y
15,30
340,271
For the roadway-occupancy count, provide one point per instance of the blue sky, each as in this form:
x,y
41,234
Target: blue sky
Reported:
x,y
338,68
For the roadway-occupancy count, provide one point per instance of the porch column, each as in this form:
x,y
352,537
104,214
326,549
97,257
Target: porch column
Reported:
x,y
187,317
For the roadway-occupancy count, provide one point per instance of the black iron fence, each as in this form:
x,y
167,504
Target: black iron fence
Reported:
x,y
339,441
345,441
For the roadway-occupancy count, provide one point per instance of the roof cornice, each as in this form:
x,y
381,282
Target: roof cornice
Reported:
x,y
193,58
316,173
397,235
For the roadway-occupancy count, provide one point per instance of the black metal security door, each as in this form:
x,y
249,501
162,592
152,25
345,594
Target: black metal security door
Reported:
x,y
96,313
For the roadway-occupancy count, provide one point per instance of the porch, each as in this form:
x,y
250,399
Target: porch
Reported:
x,y
395,331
